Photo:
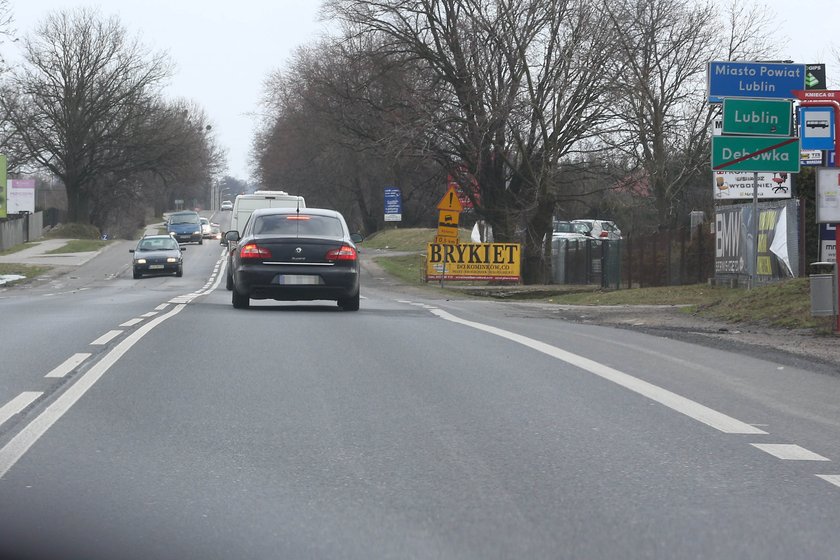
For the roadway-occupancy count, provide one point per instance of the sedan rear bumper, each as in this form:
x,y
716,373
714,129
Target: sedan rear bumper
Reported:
x,y
293,283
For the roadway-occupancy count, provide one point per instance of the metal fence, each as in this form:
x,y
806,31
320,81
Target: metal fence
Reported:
x,y
667,258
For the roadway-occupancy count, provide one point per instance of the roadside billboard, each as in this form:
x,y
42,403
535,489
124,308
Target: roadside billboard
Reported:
x,y
729,185
777,243
21,196
3,192
474,261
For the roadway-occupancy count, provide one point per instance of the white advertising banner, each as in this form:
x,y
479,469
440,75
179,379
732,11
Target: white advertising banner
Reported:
x,y
729,185
828,196
21,196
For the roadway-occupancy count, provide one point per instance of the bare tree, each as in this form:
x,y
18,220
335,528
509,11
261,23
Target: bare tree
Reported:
x,y
505,89
84,89
663,122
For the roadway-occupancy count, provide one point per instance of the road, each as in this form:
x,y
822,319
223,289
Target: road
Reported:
x,y
149,419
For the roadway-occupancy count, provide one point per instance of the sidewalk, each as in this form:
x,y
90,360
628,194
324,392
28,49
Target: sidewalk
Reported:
x,y
37,255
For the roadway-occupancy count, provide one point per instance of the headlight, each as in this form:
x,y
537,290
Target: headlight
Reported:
x,y
140,261
171,259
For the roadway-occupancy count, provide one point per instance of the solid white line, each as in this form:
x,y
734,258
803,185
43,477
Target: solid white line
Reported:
x,y
17,404
69,365
26,438
692,409
106,338
789,452
832,478
131,322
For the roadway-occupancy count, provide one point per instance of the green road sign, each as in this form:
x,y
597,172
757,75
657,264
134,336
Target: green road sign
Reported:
x,y
762,117
755,153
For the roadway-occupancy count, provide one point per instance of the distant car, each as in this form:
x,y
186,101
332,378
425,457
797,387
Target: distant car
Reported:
x,y
601,229
290,254
209,230
157,254
185,227
226,205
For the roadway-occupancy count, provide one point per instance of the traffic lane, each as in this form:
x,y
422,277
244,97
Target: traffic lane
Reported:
x,y
59,331
447,442
795,405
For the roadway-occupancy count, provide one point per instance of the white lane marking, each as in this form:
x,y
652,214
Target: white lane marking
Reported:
x,y
131,322
692,409
32,432
106,338
69,365
832,478
17,404
789,452
149,314
161,307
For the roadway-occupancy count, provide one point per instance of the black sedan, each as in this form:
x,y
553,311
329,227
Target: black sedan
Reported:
x,y
288,254
158,254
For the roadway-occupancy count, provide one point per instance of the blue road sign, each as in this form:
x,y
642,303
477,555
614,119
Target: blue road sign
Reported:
x,y
754,79
816,128
393,204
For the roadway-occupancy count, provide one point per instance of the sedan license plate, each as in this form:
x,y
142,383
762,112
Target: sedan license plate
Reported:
x,y
297,279
155,266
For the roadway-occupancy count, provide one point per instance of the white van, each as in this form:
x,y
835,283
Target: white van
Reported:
x,y
244,204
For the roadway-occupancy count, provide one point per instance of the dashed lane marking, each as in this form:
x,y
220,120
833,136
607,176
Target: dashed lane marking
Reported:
x,y
69,365
17,404
789,452
131,322
106,338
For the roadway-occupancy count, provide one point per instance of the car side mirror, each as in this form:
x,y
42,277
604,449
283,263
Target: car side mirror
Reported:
x,y
131,250
356,237
232,235
183,247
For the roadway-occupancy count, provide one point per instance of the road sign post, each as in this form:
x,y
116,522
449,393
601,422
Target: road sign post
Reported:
x,y
449,209
826,98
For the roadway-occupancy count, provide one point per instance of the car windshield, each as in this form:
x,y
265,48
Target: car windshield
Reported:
x,y
563,227
184,219
160,244
298,225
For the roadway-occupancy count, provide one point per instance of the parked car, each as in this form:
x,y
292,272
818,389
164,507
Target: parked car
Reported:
x,y
290,254
185,227
569,230
157,254
600,229
226,205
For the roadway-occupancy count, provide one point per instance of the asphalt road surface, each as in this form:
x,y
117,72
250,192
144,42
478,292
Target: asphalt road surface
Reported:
x,y
149,419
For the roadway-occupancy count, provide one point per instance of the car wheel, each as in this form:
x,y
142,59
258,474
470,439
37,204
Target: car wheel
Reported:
x,y
349,304
201,241
180,271
137,275
229,281
239,301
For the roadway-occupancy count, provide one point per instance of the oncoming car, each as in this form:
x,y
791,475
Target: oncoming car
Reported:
x,y
209,230
226,205
157,254
185,227
290,254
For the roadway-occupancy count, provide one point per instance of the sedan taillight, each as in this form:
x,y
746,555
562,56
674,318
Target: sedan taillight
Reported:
x,y
345,253
254,251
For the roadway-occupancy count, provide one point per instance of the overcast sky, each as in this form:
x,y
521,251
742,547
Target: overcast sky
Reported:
x,y
224,51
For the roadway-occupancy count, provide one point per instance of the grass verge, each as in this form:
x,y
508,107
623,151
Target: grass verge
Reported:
x,y
27,271
79,246
785,304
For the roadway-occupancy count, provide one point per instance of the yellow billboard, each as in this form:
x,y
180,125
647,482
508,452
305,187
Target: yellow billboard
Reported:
x,y
474,261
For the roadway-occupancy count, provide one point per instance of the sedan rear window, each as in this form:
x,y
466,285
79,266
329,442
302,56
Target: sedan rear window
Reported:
x,y
298,225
